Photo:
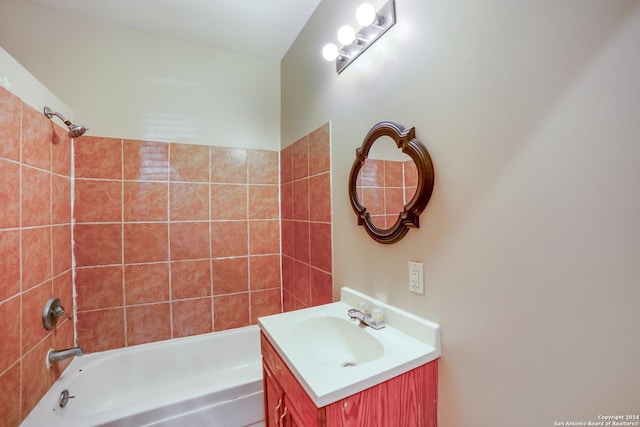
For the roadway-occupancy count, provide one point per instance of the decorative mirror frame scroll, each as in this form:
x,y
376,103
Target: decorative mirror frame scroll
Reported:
x,y
405,140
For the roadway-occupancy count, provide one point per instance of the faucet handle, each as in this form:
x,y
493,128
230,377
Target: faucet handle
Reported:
x,y
52,310
377,314
59,311
364,308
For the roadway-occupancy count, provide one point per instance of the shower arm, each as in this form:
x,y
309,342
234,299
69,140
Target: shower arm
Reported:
x,y
49,112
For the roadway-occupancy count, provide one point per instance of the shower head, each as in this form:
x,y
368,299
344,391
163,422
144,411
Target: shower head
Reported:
x,y
74,130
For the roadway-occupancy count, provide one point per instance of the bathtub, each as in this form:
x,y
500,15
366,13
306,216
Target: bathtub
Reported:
x,y
205,380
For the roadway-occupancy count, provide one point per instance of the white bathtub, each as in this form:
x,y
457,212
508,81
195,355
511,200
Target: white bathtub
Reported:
x,y
205,380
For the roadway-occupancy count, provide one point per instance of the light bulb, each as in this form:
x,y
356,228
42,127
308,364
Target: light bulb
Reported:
x,y
346,34
366,14
330,52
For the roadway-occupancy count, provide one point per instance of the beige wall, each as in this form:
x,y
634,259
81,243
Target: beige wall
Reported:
x,y
19,81
531,239
130,84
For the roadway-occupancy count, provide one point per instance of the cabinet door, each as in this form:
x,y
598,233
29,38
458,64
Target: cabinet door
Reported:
x,y
273,399
301,410
291,418
278,412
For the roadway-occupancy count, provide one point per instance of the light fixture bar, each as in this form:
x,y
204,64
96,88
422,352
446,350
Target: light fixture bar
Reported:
x,y
386,18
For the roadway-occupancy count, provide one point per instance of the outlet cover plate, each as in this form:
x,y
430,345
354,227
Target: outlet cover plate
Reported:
x,y
416,277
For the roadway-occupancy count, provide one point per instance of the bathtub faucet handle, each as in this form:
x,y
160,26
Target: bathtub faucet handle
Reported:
x,y
59,311
53,309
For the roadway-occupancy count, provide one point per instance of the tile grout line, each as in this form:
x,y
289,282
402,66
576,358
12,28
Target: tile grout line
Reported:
x,y
20,359
210,208
246,171
170,280
280,271
72,201
308,220
50,176
122,254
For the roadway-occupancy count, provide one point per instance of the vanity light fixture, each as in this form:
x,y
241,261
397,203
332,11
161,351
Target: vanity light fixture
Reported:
x,y
374,25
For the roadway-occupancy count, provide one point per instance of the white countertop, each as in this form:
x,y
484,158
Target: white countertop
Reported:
x,y
408,342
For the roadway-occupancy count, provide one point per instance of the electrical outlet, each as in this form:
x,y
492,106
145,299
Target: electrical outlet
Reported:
x,y
416,277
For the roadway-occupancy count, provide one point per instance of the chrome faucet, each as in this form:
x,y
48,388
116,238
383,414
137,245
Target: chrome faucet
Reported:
x,y
355,314
57,355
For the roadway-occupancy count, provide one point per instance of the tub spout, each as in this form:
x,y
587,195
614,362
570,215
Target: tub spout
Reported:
x,y
54,356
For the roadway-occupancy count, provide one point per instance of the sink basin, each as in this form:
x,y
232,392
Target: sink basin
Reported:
x,y
336,342
333,357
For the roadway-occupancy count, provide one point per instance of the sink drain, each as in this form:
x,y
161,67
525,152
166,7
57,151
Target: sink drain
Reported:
x,y
348,364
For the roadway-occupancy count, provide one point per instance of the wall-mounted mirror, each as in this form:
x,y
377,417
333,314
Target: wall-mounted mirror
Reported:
x,y
390,182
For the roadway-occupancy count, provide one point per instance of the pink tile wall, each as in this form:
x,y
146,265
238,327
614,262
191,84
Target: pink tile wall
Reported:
x,y
173,240
305,174
35,252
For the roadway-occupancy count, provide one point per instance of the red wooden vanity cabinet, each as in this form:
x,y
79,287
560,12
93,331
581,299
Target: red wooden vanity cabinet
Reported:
x,y
408,400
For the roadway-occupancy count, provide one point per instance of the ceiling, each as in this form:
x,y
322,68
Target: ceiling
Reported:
x,y
263,28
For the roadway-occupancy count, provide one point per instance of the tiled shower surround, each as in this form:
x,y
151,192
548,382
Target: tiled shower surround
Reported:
x,y
170,240
35,252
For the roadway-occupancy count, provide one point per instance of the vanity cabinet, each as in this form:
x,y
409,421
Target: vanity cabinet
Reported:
x,y
408,400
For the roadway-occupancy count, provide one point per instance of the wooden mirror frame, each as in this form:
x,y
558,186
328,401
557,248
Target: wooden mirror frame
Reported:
x,y
405,140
